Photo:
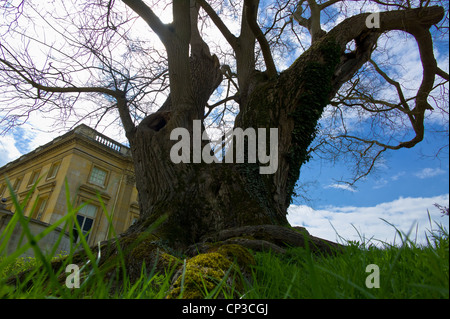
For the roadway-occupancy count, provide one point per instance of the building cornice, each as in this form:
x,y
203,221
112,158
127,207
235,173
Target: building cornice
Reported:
x,y
81,134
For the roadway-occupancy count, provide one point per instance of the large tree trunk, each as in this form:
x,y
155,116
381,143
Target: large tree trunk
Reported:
x,y
200,199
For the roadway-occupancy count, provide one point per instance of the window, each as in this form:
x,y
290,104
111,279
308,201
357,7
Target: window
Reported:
x,y
85,218
34,177
2,189
17,183
98,176
40,208
53,170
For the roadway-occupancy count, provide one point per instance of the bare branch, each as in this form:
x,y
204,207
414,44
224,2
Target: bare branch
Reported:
x,y
408,144
146,13
124,112
251,15
442,73
397,86
385,118
26,77
313,22
232,40
328,3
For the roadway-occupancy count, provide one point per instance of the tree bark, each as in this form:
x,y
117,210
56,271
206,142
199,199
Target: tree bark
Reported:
x,y
200,199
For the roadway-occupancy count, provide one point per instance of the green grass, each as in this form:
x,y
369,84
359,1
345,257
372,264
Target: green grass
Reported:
x,y
407,270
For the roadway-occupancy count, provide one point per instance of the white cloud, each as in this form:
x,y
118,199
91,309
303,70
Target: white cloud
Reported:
x,y
429,172
380,183
397,176
8,150
343,187
26,138
405,214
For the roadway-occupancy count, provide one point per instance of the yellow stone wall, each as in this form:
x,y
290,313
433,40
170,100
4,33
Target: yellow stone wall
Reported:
x,y
78,153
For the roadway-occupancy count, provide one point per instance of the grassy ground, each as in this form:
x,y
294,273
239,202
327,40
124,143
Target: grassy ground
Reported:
x,y
408,271
363,271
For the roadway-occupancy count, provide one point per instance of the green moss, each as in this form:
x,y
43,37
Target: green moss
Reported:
x,y
169,261
211,260
204,272
237,253
147,251
201,275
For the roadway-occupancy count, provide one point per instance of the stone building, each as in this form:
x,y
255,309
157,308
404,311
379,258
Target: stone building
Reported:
x,y
98,170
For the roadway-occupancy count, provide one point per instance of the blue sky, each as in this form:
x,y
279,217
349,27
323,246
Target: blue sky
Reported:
x,y
407,172
402,192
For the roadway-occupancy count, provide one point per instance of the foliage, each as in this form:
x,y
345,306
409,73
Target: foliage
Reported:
x,y
17,266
